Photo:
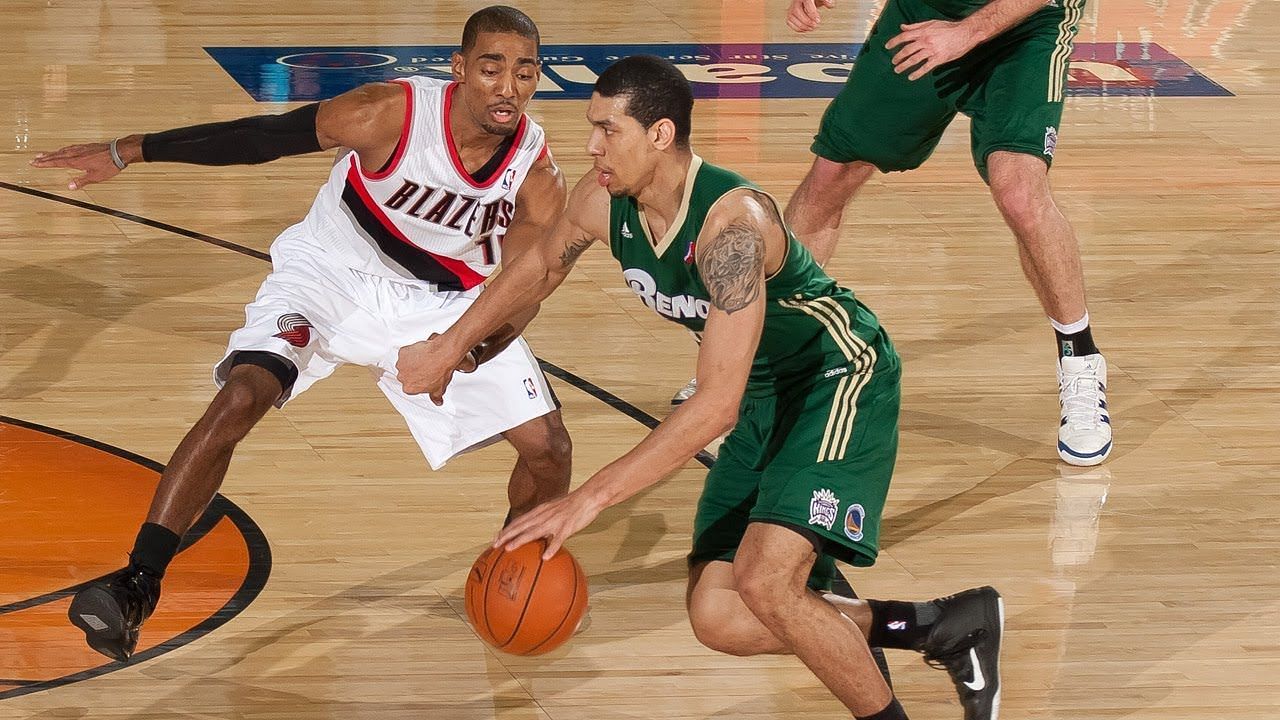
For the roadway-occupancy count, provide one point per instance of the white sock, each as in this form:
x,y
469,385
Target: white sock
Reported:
x,y
1072,328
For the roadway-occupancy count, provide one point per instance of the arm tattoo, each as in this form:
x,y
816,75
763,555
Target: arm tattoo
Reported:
x,y
731,267
573,251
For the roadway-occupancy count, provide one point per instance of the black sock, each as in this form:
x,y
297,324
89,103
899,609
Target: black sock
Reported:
x,y
900,625
154,548
892,711
1076,344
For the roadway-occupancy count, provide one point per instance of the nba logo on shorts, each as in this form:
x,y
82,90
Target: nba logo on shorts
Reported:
x,y
853,519
530,388
1050,140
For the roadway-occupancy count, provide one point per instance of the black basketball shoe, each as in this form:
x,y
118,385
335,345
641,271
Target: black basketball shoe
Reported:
x,y
965,639
110,611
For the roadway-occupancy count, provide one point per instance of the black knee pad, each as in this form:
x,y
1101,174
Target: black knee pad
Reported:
x,y
282,368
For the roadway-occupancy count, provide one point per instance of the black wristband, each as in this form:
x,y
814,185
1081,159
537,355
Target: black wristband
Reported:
x,y
247,141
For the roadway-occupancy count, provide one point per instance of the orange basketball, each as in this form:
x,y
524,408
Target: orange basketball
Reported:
x,y
522,605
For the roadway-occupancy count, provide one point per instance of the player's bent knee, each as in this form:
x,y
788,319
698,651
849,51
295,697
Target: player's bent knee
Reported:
x,y
1022,209
559,444
765,593
241,403
836,181
553,447
546,450
1023,204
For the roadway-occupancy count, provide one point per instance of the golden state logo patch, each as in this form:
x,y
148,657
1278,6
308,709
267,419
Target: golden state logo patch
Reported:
x,y
854,518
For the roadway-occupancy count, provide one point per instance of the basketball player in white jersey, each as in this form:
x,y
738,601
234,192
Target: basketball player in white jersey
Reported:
x,y
441,180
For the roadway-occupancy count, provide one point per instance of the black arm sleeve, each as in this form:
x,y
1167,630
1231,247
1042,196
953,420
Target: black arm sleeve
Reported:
x,y
247,141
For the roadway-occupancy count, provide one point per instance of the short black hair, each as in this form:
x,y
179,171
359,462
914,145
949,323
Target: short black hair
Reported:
x,y
499,19
654,88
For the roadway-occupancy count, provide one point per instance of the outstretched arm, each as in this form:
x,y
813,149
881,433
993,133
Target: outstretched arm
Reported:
x,y
426,367
731,257
367,119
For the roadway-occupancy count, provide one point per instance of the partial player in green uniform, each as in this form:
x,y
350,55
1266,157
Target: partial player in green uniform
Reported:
x,y
798,372
1004,64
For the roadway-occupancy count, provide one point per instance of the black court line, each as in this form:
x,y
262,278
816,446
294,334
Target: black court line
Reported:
x,y
577,381
255,579
225,244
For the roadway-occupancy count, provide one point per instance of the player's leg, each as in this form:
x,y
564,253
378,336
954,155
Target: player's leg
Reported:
x,y
720,619
1015,134
199,463
820,496
960,633
111,612
771,572
262,367
827,485
878,120
816,209
723,622
544,462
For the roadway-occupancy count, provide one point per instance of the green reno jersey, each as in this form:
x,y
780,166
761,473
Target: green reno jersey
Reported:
x,y
811,324
817,430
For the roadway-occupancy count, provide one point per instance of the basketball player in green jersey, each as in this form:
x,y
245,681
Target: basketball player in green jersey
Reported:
x,y
795,369
1004,64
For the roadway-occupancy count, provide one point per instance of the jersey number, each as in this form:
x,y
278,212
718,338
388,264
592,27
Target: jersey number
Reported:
x,y
489,244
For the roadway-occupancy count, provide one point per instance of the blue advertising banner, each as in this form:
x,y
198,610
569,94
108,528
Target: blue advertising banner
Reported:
x,y
771,70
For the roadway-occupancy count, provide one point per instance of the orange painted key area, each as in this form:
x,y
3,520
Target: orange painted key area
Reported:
x,y
70,511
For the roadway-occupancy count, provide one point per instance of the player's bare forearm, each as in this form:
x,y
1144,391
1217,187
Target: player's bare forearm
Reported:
x,y
670,445
504,335
999,16
513,296
539,207
686,432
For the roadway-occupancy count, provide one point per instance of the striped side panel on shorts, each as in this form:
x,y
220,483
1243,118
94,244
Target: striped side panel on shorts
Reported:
x,y
844,408
1072,11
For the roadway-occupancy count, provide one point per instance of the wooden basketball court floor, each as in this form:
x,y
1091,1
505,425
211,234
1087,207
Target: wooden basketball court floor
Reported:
x,y
1146,588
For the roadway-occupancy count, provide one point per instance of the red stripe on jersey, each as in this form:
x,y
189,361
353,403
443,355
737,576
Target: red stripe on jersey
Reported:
x,y
468,277
453,150
403,142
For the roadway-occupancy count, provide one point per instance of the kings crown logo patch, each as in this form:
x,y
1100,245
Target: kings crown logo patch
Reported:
x,y
823,508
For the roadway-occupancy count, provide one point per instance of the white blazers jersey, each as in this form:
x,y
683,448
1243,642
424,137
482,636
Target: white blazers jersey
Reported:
x,y
422,216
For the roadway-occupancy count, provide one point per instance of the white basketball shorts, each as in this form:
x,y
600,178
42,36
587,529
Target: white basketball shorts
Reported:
x,y
320,315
